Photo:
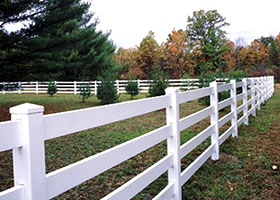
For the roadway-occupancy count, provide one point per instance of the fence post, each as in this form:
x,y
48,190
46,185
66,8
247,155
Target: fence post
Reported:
x,y
234,108
253,96
138,85
272,84
37,87
95,87
264,88
214,120
245,100
29,160
118,87
260,92
75,87
173,143
19,86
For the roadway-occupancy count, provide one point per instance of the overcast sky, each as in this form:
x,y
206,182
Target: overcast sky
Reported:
x,y
130,20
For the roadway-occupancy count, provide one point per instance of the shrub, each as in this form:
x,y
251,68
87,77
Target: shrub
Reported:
x,y
52,89
158,84
132,88
85,91
10,86
106,90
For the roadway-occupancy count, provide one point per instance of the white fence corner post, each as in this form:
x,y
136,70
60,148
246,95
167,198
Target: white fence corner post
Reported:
x,y
19,86
234,108
37,87
138,84
95,87
245,100
118,86
253,96
75,87
214,120
265,88
173,143
29,160
258,93
262,90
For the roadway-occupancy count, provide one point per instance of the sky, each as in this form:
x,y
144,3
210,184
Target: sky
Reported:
x,y
130,20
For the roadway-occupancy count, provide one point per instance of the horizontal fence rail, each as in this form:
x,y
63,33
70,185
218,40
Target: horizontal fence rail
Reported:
x,y
72,87
26,133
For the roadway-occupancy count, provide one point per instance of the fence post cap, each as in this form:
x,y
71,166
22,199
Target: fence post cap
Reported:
x,y
213,83
170,90
26,108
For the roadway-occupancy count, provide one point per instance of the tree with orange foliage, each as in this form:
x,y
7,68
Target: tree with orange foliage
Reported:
x,y
255,55
148,55
128,59
229,57
174,59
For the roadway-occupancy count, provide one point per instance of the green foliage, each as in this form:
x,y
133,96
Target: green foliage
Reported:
x,y
158,84
201,23
106,90
52,89
204,81
206,28
9,86
85,91
237,75
132,88
60,43
213,49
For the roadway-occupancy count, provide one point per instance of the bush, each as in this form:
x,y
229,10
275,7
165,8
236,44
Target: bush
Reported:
x,y
158,84
52,89
132,88
9,86
106,90
85,91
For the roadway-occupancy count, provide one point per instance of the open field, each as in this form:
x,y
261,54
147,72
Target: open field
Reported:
x,y
243,172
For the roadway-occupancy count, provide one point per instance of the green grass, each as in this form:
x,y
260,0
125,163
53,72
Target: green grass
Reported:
x,y
243,171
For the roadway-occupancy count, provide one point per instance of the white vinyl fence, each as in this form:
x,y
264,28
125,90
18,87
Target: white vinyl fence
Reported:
x,y
72,87
29,128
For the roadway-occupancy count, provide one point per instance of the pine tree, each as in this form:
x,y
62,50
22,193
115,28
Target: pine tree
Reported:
x,y
59,42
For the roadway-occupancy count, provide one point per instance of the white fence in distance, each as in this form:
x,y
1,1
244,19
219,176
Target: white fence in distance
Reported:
x,y
72,87
29,128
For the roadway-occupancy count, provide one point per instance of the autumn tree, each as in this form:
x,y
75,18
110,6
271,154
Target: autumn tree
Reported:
x,y
229,57
128,58
174,59
148,55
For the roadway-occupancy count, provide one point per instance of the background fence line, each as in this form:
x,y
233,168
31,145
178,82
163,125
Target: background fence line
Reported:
x,y
72,87
29,128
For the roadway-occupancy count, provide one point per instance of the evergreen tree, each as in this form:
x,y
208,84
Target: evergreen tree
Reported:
x,y
106,90
58,42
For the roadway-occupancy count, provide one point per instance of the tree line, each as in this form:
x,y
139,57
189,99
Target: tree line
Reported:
x,y
201,49
59,41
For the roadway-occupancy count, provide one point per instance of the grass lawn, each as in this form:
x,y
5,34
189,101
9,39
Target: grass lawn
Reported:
x,y
244,170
